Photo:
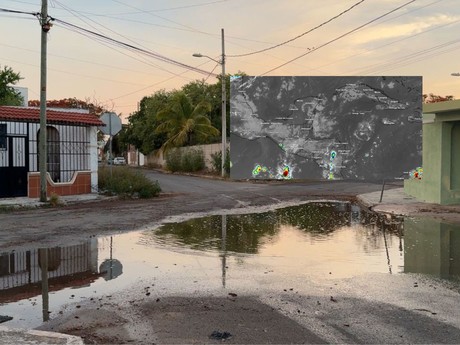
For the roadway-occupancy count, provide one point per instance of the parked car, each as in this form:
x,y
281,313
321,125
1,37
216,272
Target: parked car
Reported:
x,y
119,161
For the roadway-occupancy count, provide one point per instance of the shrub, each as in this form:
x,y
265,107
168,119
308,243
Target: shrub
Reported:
x,y
216,162
189,161
127,182
54,200
193,160
173,160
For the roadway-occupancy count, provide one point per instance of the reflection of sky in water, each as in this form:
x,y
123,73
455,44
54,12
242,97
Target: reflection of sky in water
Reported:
x,y
301,246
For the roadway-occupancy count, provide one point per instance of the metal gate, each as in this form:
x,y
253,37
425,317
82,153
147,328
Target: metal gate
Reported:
x,y
13,167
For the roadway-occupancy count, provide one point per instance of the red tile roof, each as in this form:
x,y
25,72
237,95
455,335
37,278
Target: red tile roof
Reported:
x,y
52,116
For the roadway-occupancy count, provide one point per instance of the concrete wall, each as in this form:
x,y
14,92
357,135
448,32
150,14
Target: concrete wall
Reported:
x,y
441,155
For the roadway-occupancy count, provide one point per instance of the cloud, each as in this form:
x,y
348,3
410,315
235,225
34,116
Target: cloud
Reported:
x,y
402,30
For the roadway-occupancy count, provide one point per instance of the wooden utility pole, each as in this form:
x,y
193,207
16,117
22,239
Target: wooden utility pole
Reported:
x,y
45,26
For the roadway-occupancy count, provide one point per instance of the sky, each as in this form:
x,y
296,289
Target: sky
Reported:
x,y
298,37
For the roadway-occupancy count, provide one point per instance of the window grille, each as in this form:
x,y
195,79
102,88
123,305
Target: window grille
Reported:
x,y
67,151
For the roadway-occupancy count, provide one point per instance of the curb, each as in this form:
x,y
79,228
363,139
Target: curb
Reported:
x,y
21,336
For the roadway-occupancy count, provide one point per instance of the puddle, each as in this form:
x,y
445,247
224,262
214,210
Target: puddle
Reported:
x,y
301,245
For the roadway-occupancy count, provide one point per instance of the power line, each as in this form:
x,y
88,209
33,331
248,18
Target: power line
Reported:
x,y
19,12
412,57
302,34
176,8
105,38
142,60
390,43
156,15
339,37
131,47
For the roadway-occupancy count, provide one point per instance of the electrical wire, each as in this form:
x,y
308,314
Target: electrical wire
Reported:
x,y
391,43
141,58
412,57
302,34
175,8
204,80
339,37
130,46
19,12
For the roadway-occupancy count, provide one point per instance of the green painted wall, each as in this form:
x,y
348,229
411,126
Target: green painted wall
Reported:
x,y
455,157
441,163
431,247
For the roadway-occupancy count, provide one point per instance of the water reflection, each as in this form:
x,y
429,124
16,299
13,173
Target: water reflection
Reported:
x,y
247,233
314,242
315,237
432,247
35,272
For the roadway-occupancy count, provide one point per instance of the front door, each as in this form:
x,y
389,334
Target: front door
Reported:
x,y
13,167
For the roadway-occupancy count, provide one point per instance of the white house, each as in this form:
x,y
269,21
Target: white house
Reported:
x,y
71,152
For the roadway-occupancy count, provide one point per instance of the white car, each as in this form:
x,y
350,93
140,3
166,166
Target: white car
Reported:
x,y
119,161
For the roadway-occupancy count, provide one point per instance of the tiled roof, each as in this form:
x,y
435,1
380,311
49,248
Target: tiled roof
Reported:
x,y
52,116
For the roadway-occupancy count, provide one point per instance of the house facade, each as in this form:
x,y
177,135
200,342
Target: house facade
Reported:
x,y
72,157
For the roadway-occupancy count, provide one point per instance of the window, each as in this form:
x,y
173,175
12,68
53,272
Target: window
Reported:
x,y
2,137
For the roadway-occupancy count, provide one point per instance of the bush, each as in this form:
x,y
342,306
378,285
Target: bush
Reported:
x,y
174,160
216,162
189,161
126,182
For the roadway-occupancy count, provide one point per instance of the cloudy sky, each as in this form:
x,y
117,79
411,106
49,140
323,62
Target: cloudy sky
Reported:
x,y
262,37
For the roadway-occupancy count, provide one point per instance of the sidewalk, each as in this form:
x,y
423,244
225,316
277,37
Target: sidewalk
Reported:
x,y
35,202
18,336
395,201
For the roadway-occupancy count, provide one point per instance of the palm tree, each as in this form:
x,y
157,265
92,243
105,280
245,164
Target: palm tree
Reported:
x,y
184,124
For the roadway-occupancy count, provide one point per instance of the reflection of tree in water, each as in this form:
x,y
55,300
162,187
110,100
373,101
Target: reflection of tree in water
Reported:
x,y
246,233
374,229
319,219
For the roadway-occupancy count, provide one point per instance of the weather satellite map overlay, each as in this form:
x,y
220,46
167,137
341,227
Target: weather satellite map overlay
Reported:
x,y
351,128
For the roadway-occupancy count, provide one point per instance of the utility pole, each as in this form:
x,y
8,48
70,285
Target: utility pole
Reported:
x,y
224,101
224,109
45,26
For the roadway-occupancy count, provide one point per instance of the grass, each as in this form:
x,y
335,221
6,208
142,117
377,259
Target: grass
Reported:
x,y
126,183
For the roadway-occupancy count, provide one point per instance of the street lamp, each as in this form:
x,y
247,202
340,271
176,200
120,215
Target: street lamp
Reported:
x,y
224,101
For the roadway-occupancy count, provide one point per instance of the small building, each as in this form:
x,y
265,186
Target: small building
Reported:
x,y
440,182
72,156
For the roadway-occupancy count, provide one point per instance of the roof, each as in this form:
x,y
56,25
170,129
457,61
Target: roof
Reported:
x,y
442,107
26,114
441,111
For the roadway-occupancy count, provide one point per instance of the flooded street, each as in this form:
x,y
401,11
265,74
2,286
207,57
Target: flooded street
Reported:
x,y
295,260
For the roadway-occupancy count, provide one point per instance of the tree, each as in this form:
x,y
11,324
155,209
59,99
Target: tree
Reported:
x,y
432,98
8,95
142,123
183,123
93,106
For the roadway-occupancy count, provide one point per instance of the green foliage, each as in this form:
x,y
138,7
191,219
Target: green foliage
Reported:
x,y
142,123
174,160
126,182
142,129
8,95
189,161
216,162
183,123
